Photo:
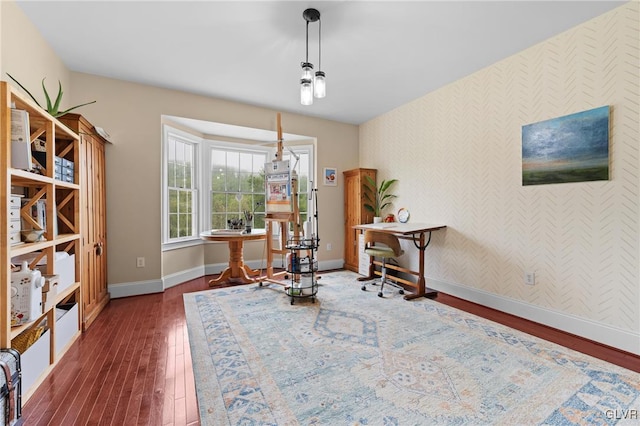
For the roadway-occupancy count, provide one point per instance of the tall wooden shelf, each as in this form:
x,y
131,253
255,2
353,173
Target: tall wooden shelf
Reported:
x,y
355,214
93,217
62,234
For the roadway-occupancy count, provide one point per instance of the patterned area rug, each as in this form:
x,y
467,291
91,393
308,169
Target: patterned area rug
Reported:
x,y
352,358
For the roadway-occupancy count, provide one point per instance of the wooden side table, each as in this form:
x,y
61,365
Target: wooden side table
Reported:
x,y
237,271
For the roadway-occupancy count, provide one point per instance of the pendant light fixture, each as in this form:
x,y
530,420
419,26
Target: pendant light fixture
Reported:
x,y
312,85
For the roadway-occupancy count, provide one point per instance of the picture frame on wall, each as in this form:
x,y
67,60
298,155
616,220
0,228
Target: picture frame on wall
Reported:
x,y
571,148
330,176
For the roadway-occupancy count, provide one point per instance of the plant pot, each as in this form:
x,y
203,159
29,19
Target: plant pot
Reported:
x,y
377,219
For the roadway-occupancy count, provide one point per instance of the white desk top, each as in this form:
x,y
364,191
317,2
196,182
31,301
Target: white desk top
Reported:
x,y
401,228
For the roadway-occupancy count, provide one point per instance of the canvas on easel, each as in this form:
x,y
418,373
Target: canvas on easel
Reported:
x,y
278,187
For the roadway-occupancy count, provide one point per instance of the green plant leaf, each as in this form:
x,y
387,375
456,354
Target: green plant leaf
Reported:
x,y
51,108
376,196
56,105
46,95
72,108
25,89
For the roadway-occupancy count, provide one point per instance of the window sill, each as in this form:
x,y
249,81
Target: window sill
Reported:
x,y
182,244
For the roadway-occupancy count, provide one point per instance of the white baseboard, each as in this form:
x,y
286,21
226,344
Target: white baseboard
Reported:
x,y
135,288
156,286
173,280
611,336
328,265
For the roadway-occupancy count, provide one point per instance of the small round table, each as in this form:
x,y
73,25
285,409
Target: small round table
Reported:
x,y
237,271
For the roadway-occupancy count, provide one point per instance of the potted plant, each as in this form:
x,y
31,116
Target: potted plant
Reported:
x,y
377,197
52,108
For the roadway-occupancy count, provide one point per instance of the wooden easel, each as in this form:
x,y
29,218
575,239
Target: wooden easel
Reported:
x,y
282,219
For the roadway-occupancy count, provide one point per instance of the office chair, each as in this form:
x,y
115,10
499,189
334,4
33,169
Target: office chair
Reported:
x,y
385,246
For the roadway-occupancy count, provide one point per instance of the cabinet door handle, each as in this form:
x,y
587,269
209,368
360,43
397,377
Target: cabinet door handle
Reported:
x,y
99,249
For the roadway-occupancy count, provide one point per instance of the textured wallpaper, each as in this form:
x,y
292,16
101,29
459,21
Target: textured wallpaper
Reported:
x,y
457,153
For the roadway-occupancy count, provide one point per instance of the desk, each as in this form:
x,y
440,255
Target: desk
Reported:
x,y
237,271
407,231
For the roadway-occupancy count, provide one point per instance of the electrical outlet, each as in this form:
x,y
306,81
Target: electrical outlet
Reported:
x,y
530,278
329,247
140,262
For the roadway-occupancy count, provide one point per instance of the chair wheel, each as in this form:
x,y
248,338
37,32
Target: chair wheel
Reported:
x,y
380,294
363,288
401,291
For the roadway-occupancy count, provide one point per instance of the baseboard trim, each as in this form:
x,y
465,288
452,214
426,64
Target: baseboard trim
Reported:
x,y
177,278
156,286
137,288
611,336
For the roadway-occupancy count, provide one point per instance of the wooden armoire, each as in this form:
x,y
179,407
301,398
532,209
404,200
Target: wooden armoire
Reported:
x,y
354,213
93,221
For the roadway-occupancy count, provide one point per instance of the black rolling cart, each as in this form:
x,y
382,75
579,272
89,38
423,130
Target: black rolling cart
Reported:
x,y
302,268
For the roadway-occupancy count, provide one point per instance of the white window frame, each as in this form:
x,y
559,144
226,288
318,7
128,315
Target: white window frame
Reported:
x,y
202,183
170,132
230,146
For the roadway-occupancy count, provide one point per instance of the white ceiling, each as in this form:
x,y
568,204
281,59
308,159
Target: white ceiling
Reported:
x,y
377,55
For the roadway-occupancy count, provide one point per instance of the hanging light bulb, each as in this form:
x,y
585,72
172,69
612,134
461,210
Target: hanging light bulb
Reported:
x,y
319,86
307,71
306,91
312,85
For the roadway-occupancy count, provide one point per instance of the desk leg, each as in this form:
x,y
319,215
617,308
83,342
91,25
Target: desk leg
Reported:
x,y
422,290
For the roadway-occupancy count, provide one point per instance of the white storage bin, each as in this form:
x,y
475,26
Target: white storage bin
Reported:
x,y
66,327
35,361
65,266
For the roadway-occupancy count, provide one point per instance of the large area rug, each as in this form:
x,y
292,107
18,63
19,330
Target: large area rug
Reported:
x,y
352,358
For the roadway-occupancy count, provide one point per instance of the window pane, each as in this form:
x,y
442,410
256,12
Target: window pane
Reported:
x,y
233,205
173,225
217,179
171,174
245,182
233,181
180,166
218,221
246,162
173,201
218,203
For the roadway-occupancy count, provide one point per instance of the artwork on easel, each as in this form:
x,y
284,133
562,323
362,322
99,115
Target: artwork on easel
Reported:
x,y
572,148
278,187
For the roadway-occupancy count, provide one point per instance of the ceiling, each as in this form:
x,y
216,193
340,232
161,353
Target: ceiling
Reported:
x,y
377,55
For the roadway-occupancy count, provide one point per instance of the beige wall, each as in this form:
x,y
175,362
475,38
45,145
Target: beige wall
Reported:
x,y
457,155
20,36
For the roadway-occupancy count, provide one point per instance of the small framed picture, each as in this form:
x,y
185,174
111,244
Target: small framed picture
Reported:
x,y
330,176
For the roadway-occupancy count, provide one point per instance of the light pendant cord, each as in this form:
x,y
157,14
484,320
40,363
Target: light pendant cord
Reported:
x,y
319,43
307,57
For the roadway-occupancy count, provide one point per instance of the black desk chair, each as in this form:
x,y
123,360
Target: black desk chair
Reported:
x,y
385,246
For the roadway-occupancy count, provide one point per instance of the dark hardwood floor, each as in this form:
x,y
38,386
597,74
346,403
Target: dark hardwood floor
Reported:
x,y
133,365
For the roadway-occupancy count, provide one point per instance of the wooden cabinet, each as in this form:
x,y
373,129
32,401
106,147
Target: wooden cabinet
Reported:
x,y
354,213
47,182
95,295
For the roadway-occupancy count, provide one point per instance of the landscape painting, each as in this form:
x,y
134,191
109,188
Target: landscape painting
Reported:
x,y
572,148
